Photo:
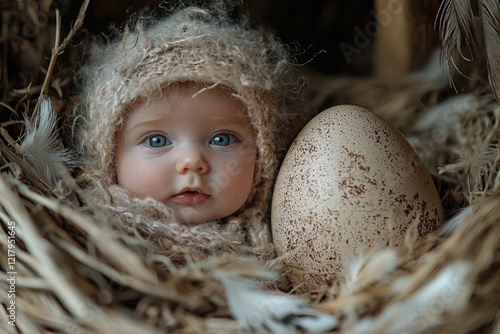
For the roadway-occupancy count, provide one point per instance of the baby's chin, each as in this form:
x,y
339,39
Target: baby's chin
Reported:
x,y
197,219
198,215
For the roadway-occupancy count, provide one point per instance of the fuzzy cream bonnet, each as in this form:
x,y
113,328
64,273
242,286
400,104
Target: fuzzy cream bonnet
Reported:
x,y
204,46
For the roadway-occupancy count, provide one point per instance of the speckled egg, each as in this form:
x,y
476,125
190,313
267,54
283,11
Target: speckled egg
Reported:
x,y
349,183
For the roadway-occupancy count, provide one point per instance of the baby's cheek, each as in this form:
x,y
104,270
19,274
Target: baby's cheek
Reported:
x,y
232,181
125,177
244,174
248,152
137,177
225,178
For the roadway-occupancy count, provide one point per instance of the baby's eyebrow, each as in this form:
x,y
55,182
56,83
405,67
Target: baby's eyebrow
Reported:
x,y
139,125
147,119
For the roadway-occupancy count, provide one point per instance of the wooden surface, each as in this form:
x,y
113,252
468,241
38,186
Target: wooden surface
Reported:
x,y
406,35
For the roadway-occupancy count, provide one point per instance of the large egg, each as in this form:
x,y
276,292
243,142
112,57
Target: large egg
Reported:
x,y
349,183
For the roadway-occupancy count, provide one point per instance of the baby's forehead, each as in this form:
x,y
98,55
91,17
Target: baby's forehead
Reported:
x,y
193,88
193,100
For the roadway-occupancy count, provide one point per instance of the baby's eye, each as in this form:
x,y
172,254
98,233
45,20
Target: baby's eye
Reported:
x,y
223,139
157,141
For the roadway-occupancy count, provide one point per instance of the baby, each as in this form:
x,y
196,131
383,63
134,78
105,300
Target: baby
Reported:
x,y
182,124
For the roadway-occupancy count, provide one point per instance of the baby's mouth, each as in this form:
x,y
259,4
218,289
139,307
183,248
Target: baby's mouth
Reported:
x,y
191,196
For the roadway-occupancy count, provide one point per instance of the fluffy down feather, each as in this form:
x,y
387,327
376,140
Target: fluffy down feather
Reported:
x,y
39,145
424,309
265,311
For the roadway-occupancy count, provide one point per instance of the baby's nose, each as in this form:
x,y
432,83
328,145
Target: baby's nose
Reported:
x,y
192,160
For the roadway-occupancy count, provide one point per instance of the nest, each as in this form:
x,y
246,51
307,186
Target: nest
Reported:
x,y
68,267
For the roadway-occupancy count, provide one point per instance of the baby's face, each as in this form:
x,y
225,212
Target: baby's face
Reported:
x,y
194,154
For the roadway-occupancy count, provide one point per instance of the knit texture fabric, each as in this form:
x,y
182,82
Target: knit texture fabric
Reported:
x,y
202,45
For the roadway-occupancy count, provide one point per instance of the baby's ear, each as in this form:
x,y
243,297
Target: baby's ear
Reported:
x,y
39,146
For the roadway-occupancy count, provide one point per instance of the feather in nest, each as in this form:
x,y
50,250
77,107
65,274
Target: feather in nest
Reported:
x,y
265,311
475,40
39,145
423,310
490,14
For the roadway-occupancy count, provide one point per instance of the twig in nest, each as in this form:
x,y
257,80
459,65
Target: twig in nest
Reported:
x,y
9,139
12,204
50,69
76,26
58,48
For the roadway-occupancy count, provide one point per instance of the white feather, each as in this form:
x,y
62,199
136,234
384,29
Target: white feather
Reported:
x,y
440,121
362,272
434,70
265,311
496,330
454,222
445,115
39,144
352,269
424,309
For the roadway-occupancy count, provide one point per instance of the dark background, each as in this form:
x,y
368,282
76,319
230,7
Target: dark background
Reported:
x,y
317,26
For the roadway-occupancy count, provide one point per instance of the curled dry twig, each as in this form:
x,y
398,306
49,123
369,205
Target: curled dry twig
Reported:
x,y
58,48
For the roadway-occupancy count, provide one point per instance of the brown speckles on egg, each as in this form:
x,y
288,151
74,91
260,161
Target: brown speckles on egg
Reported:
x,y
349,182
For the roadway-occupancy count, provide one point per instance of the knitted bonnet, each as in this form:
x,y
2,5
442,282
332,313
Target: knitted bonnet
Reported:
x,y
202,45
